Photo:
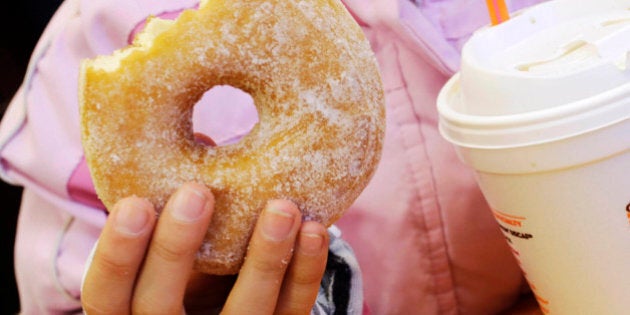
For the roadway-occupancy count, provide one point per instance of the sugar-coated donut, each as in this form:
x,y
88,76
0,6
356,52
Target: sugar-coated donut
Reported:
x,y
315,84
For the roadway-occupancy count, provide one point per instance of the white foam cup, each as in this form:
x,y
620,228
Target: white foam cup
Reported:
x,y
541,111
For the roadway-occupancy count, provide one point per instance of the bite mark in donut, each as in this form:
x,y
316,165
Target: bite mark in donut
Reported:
x,y
316,87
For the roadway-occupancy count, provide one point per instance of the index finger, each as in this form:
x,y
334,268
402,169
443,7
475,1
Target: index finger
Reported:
x,y
109,281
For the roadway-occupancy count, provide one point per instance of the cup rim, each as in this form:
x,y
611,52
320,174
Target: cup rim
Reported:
x,y
529,128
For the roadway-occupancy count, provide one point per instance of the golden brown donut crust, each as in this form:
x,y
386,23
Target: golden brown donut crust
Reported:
x,y
315,84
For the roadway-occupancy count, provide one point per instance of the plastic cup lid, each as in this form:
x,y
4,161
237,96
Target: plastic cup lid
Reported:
x,y
551,71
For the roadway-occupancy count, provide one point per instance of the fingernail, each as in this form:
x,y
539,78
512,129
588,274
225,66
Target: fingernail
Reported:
x,y
311,244
277,221
191,201
132,216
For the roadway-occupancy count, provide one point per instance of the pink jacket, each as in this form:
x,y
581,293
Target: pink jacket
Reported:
x,y
423,235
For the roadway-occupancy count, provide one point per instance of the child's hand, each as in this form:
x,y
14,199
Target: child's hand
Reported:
x,y
142,264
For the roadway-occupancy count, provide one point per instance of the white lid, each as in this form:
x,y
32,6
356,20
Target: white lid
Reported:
x,y
551,72
546,56
536,127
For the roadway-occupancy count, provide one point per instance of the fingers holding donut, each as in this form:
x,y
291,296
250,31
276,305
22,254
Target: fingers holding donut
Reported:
x,y
143,264
284,264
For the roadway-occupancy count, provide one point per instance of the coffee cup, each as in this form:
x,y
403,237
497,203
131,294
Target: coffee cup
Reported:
x,y
541,111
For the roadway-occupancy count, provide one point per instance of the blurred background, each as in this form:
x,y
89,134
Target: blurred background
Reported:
x,y
21,23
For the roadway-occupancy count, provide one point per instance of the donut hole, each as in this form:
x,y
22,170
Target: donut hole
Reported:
x,y
223,116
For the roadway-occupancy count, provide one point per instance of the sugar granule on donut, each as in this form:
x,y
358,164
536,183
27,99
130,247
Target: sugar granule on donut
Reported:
x,y
315,84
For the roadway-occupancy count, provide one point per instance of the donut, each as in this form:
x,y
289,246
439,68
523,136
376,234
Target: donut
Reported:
x,y
316,87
